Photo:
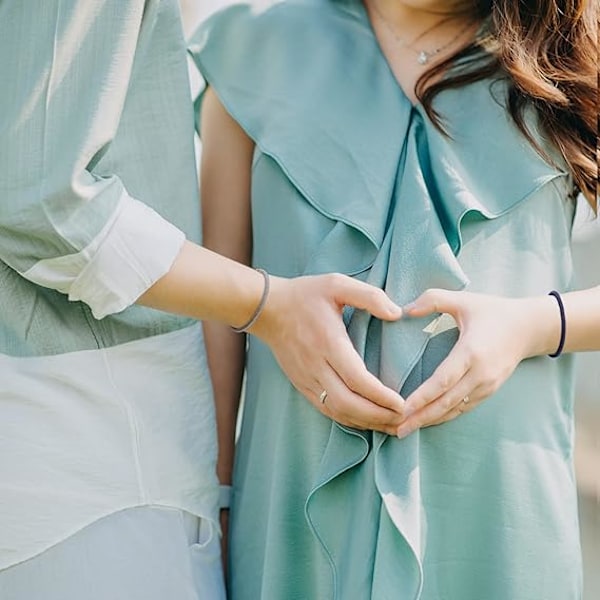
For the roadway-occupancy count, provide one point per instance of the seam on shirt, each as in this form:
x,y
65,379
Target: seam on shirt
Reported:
x,y
90,323
133,427
31,316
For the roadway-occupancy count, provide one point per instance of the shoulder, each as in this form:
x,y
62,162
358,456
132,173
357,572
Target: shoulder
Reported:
x,y
280,49
266,22
275,12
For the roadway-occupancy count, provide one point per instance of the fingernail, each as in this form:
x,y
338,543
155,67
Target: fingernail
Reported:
x,y
404,431
409,307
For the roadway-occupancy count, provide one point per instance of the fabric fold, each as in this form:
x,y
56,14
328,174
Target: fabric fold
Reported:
x,y
273,93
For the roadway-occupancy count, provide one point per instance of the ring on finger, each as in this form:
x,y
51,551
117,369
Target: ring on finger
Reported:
x,y
466,400
323,396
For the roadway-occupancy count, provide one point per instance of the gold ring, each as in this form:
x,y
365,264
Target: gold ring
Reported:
x,y
323,396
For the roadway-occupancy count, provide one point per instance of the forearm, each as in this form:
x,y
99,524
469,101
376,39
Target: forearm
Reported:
x,y
207,286
226,360
582,311
582,319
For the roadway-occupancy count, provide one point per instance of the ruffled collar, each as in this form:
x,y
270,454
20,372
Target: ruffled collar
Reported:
x,y
290,67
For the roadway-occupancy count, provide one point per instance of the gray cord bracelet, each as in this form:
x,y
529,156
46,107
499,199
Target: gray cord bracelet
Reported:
x,y
260,307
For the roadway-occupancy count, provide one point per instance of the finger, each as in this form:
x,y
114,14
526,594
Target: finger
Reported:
x,y
447,375
349,408
349,366
453,402
475,398
358,294
433,301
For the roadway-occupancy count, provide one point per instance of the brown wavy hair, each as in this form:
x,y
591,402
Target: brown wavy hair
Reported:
x,y
548,50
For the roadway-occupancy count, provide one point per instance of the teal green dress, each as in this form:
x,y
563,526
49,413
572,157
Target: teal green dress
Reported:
x,y
349,176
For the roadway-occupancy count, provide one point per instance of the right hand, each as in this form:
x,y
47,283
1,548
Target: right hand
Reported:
x,y
302,324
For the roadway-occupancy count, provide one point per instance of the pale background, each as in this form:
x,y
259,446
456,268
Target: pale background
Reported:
x,y
587,251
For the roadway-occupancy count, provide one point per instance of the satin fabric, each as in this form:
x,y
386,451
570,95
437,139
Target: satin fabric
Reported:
x,y
349,176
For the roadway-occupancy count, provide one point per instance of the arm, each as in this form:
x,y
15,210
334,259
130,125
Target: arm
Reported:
x,y
66,75
582,312
496,334
64,228
226,222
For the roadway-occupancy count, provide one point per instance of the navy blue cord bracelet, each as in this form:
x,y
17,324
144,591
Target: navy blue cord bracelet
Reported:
x,y
563,324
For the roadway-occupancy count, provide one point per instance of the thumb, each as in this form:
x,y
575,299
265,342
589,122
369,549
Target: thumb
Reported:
x,y
432,301
367,297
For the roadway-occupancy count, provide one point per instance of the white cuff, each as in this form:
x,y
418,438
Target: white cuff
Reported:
x,y
132,252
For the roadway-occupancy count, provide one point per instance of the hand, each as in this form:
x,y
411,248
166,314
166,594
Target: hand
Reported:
x,y
496,334
302,323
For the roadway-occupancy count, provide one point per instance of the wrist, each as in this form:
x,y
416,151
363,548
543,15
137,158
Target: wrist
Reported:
x,y
268,320
259,307
543,322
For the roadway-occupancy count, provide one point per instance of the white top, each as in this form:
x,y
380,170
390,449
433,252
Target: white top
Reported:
x,y
104,405
86,434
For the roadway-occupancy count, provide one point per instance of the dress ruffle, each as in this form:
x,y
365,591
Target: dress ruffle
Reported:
x,y
257,61
407,196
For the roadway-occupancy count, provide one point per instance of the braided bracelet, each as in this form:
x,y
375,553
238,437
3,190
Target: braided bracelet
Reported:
x,y
260,307
563,324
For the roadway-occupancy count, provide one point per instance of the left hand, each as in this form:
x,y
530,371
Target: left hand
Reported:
x,y
302,324
496,334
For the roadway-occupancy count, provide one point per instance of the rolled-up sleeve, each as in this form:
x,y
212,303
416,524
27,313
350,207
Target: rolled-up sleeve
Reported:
x,y
66,70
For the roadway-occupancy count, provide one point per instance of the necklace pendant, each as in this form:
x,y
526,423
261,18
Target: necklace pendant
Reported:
x,y
423,58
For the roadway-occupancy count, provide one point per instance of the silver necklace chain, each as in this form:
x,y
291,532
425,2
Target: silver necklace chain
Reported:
x,y
423,56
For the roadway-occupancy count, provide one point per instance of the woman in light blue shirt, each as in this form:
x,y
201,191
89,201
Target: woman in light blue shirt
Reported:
x,y
431,148
107,434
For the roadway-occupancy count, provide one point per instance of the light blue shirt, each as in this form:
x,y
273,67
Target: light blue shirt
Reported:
x,y
98,192
97,178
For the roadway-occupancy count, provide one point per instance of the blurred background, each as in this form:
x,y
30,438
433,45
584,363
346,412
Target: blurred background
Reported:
x,y
587,251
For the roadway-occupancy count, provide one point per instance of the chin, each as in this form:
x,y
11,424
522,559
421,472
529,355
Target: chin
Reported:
x,y
438,6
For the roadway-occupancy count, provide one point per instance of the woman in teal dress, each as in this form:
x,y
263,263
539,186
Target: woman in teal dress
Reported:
x,y
436,155
108,441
